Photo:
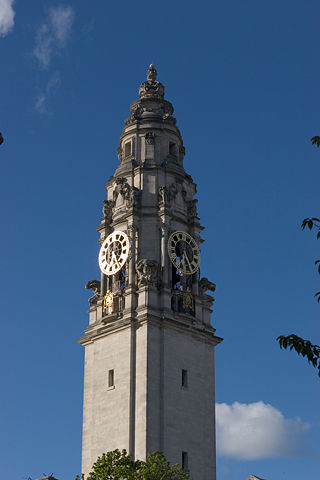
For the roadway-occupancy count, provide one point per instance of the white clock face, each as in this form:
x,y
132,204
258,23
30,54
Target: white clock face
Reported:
x,y
113,253
184,252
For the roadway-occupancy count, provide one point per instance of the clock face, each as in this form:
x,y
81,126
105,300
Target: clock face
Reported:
x,y
184,252
113,253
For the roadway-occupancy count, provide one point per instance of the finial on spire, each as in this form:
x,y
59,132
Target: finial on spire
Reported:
x,y
151,88
152,74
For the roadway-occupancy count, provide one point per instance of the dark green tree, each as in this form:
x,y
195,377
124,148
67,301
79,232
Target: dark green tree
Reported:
x,y
293,342
116,465
156,467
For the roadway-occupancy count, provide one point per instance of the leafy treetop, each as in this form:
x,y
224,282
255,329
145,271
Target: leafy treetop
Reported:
x,y
119,465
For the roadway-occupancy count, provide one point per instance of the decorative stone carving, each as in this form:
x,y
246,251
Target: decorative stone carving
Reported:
x,y
137,111
151,88
167,195
120,154
192,208
162,196
187,300
133,197
150,138
95,286
205,285
107,210
147,272
173,190
207,301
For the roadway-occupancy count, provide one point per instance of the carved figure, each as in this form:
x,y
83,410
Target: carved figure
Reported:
x,y
122,187
133,197
151,87
162,196
95,286
120,154
192,208
147,271
152,73
173,190
107,210
205,285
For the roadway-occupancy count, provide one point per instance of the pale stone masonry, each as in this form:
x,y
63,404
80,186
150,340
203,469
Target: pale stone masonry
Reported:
x,y
149,346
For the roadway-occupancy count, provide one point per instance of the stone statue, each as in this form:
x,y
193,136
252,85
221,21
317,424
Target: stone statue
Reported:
x,y
151,88
147,271
95,286
107,210
133,197
162,196
120,154
192,208
205,285
152,74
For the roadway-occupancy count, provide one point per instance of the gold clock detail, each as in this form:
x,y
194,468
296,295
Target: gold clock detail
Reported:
x,y
184,252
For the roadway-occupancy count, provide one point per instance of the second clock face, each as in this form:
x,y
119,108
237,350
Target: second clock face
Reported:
x,y
184,252
113,253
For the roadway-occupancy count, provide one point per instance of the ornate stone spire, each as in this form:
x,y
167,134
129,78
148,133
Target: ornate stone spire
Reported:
x,y
151,88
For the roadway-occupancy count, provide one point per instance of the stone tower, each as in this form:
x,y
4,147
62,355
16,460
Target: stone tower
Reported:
x,y
149,346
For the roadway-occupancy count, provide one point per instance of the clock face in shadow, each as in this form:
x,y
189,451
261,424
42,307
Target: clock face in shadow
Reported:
x,y
184,253
113,253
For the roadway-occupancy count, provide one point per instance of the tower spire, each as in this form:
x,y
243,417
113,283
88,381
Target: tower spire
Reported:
x,y
149,368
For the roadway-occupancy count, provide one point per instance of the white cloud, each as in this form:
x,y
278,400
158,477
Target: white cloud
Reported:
x,y
52,35
41,99
6,16
61,19
258,430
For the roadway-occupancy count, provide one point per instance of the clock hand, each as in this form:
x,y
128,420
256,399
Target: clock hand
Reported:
x,y
115,260
185,257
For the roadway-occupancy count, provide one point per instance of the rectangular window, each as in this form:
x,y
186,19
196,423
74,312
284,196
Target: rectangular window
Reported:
x,y
184,378
172,148
127,149
111,378
184,460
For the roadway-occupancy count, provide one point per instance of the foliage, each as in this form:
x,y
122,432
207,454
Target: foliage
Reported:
x,y
313,222
116,465
315,140
302,347
293,342
156,467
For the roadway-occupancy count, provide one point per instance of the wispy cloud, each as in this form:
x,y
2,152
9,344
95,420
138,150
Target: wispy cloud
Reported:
x,y
53,34
41,99
6,16
259,430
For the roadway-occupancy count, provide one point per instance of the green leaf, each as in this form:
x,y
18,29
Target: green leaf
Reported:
x,y
315,140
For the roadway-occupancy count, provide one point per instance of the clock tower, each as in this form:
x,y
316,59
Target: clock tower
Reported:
x,y
149,346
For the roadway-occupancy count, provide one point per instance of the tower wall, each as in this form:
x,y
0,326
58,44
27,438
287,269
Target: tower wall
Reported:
x,y
149,320
106,410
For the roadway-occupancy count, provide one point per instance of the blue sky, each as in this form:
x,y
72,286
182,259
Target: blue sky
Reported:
x,y
244,81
